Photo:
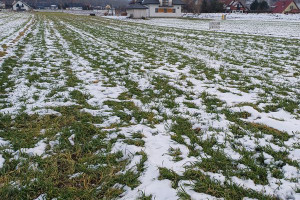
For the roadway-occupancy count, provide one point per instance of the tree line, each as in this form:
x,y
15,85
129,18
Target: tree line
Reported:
x,y
259,6
203,6
216,6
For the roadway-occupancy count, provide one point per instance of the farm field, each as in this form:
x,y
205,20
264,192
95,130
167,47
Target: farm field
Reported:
x,y
264,25
97,108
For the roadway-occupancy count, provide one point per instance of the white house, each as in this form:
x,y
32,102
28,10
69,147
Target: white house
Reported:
x,y
20,6
155,8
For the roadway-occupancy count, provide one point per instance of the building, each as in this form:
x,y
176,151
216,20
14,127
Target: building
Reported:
x,y
137,11
234,6
42,5
20,6
155,8
163,8
287,6
53,7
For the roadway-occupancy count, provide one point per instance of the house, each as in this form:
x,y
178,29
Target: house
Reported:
x,y
137,11
20,6
53,7
163,8
234,6
286,6
156,8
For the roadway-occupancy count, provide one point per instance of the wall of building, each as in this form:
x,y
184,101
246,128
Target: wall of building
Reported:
x,y
137,13
151,12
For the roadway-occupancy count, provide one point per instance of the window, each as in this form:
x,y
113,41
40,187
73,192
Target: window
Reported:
x,y
165,10
165,2
291,7
160,10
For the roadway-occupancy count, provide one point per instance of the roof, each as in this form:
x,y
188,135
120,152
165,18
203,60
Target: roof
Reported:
x,y
232,2
136,6
233,5
174,2
178,2
280,6
22,2
146,2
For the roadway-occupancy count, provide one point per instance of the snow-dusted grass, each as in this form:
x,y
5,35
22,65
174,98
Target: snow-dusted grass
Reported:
x,y
278,25
246,16
95,108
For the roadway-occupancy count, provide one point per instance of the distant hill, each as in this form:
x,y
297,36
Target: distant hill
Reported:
x,y
34,3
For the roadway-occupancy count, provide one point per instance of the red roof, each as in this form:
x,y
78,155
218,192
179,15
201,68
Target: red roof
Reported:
x,y
280,6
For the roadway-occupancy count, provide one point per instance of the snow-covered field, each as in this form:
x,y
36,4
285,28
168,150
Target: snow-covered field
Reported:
x,y
279,25
10,25
96,108
245,16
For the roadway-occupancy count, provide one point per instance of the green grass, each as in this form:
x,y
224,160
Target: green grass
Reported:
x,y
186,87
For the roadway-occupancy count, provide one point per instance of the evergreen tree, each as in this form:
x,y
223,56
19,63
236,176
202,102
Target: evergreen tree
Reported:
x,y
254,5
191,6
216,6
263,5
204,6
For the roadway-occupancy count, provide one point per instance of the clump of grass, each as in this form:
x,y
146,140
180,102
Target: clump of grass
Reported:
x,y
212,103
137,113
190,104
136,142
176,154
228,190
80,97
2,53
169,174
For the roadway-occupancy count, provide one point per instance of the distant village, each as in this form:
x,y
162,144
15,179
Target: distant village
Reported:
x,y
174,8
65,4
163,8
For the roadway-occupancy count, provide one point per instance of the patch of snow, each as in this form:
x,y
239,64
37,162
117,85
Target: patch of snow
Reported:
x,y
38,150
71,139
2,160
